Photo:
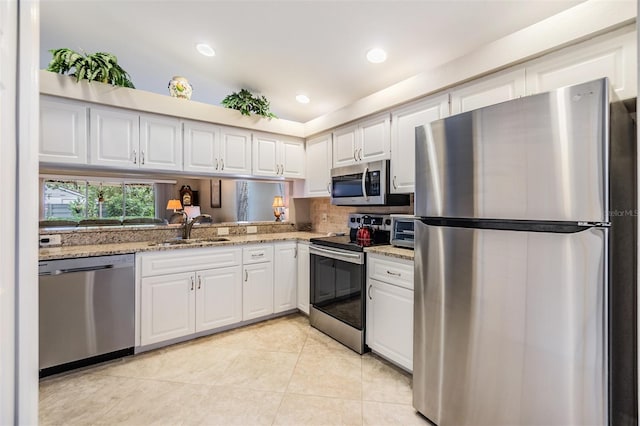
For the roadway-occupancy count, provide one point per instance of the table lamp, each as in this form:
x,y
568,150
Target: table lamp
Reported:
x,y
277,205
174,204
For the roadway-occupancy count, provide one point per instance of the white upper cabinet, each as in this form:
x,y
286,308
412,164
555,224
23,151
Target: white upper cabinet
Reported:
x,y
368,140
318,159
201,147
235,151
292,158
63,131
277,157
613,56
160,142
494,89
115,138
403,124
127,140
345,146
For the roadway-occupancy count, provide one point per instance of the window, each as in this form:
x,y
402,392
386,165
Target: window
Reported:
x,y
97,199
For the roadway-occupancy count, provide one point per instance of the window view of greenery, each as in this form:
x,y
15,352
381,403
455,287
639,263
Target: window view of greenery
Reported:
x,y
81,199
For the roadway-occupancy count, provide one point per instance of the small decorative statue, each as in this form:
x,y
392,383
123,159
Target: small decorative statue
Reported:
x,y
179,87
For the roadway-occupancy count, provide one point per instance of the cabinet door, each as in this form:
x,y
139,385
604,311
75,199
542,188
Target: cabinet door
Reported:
x,y
303,277
235,151
201,147
167,306
292,159
612,56
488,91
285,277
390,322
218,297
265,155
115,137
160,142
63,131
375,139
344,146
318,170
403,141
257,294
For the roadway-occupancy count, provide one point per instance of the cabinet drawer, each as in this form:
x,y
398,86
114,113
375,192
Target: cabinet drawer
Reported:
x,y
391,270
257,254
188,260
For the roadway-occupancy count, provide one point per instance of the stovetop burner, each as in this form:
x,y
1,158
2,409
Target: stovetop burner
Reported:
x,y
379,224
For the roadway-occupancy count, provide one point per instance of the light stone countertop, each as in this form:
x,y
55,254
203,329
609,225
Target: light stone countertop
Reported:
x,y
66,252
391,251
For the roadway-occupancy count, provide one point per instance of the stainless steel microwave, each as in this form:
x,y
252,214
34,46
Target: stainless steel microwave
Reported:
x,y
364,184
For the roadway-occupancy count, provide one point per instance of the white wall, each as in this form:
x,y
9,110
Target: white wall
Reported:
x,y
19,42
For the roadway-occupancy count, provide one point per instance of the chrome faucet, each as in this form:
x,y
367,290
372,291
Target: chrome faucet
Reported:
x,y
188,224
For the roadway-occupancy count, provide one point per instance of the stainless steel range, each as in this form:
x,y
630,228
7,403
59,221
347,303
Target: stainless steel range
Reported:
x,y
338,274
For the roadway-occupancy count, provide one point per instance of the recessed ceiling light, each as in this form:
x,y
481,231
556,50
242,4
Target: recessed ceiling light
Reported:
x,y
376,55
205,49
303,99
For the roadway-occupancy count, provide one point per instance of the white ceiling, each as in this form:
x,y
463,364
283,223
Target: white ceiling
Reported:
x,y
282,48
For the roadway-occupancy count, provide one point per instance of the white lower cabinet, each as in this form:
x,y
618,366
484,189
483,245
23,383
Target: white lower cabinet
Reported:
x,y
218,297
285,294
188,291
304,283
389,330
257,293
167,307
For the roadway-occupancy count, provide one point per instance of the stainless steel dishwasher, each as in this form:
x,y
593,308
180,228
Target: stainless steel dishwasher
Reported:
x,y
86,311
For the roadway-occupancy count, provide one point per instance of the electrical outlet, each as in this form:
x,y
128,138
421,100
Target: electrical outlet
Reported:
x,y
252,229
324,218
50,240
223,231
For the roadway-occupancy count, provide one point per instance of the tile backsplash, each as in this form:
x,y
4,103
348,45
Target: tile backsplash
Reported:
x,y
327,218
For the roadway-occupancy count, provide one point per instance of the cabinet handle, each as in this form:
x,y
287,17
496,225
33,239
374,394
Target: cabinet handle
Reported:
x,y
394,183
295,253
191,283
135,157
360,154
254,255
395,274
246,275
355,155
216,164
142,157
221,164
329,188
281,169
369,292
199,282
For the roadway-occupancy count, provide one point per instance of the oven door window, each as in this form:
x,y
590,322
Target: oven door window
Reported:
x,y
336,289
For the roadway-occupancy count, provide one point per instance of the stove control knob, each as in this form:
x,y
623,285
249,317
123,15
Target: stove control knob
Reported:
x,y
387,221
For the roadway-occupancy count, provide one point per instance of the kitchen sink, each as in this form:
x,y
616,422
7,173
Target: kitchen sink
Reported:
x,y
181,242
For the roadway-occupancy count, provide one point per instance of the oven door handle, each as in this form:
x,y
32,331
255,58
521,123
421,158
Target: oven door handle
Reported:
x,y
335,254
364,183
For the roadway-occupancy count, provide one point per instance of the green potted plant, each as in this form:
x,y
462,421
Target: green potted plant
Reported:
x,y
100,66
247,103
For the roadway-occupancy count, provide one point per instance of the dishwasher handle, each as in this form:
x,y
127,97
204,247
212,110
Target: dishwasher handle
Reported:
x,y
87,269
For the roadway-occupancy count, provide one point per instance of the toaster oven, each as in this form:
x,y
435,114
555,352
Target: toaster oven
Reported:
x,y
402,230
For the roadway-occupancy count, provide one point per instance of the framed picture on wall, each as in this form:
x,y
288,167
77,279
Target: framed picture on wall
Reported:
x,y
216,193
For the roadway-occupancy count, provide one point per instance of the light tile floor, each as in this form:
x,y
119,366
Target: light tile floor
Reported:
x,y
278,372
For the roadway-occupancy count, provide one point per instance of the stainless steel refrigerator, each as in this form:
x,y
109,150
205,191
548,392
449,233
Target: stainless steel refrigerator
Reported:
x,y
525,263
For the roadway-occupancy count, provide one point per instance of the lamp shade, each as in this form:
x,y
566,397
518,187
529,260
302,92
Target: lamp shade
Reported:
x,y
174,205
277,201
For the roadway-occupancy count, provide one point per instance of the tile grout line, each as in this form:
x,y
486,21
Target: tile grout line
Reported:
x,y
291,377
